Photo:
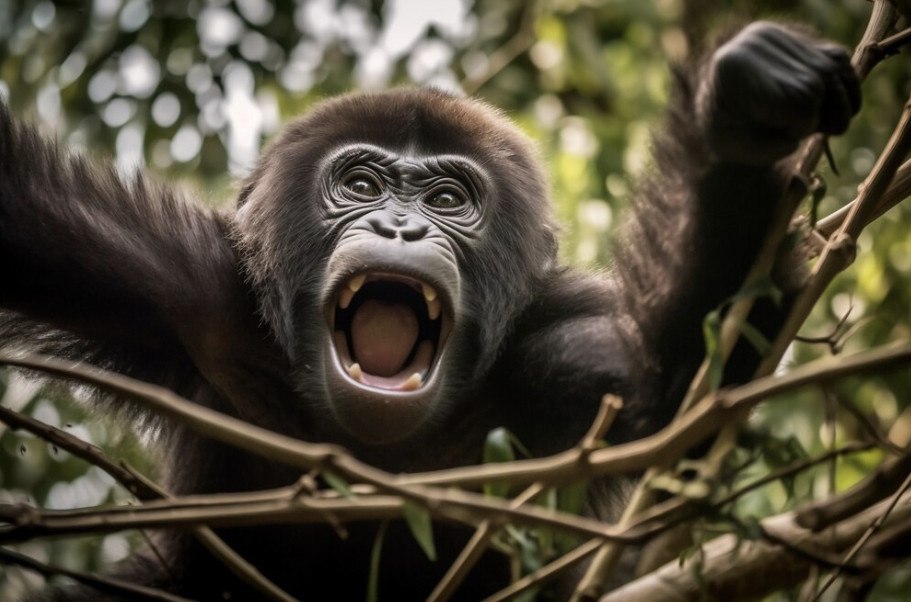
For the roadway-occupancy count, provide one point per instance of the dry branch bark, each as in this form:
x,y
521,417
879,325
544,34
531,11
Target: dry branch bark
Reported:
x,y
729,568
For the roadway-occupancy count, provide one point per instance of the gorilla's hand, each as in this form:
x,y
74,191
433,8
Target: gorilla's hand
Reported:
x,y
769,87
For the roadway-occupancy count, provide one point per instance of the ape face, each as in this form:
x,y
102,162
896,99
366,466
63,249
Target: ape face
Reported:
x,y
393,281
392,245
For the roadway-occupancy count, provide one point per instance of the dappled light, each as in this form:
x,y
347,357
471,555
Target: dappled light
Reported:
x,y
191,93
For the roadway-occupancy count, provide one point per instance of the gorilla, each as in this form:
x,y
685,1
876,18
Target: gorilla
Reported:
x,y
388,281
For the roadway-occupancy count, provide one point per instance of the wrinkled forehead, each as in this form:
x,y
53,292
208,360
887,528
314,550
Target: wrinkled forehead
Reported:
x,y
408,164
414,123
410,123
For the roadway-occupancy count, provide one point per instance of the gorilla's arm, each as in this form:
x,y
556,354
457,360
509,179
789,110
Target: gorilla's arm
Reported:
x,y
719,174
697,224
127,267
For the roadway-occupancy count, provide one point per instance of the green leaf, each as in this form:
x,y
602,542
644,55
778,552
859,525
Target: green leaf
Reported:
x,y
763,287
711,330
711,327
373,582
550,499
758,340
528,544
751,528
338,484
498,447
418,520
779,453
573,497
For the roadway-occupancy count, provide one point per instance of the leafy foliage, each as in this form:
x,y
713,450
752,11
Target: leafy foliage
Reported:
x,y
191,88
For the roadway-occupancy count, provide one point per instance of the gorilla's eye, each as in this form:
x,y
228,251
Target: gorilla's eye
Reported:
x,y
447,198
363,184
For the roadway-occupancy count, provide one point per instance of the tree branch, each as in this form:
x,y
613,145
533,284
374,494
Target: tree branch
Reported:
x,y
104,584
733,569
144,489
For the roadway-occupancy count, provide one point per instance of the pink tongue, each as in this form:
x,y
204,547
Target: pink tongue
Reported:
x,y
383,335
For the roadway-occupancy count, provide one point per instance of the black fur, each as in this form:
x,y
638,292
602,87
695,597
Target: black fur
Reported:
x,y
227,308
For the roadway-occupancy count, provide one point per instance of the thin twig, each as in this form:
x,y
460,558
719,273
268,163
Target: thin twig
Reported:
x,y
523,39
899,190
893,43
103,584
547,572
838,254
674,440
793,469
875,526
142,489
607,413
27,522
876,486
678,510
145,489
471,553
734,569
474,549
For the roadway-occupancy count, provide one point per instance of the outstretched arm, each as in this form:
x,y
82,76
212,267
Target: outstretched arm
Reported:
x,y
697,226
125,265
719,174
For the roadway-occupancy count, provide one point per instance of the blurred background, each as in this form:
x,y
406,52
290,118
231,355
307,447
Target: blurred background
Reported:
x,y
191,89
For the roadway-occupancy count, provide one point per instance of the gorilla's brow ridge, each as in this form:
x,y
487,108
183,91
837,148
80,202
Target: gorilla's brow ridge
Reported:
x,y
436,164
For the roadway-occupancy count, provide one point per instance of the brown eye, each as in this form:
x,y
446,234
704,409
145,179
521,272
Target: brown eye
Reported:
x,y
363,185
446,199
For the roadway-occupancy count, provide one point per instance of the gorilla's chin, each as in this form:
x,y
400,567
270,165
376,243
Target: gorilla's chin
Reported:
x,y
388,334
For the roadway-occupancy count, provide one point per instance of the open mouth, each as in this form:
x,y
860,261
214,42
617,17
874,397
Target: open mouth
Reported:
x,y
389,330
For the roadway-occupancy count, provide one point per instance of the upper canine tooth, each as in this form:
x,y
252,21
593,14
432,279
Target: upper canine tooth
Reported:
x,y
344,297
357,282
433,308
429,292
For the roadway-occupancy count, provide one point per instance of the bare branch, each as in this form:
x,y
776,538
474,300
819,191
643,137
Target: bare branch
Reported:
x,y
523,39
875,526
898,191
838,254
547,572
139,487
474,549
144,489
674,440
104,584
733,569
875,487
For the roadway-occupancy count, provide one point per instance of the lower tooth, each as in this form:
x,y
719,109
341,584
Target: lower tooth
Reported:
x,y
413,383
355,372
